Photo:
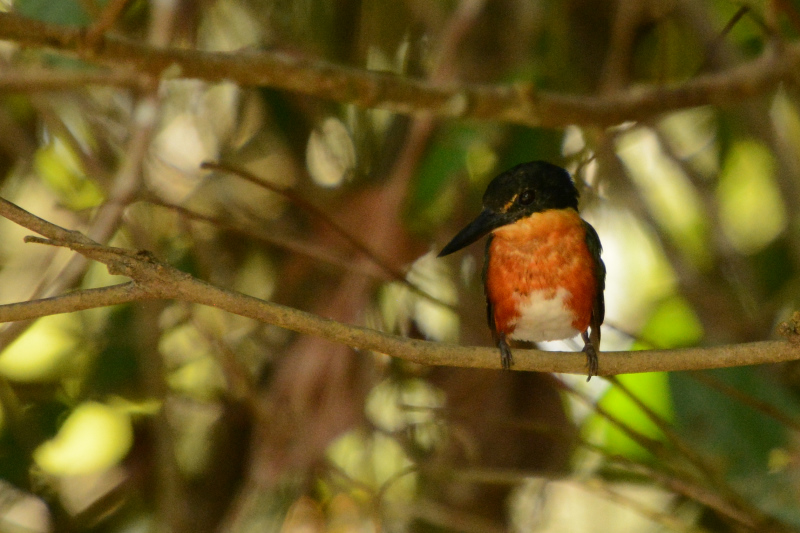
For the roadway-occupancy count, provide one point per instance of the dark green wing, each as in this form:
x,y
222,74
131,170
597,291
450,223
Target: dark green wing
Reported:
x,y
599,308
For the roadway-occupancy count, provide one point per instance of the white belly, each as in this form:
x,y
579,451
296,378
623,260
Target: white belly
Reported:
x,y
544,319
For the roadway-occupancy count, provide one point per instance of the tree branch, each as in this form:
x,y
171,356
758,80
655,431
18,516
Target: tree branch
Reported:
x,y
74,301
519,103
32,80
153,279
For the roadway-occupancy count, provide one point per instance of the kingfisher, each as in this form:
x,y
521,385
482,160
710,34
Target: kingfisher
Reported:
x,y
542,273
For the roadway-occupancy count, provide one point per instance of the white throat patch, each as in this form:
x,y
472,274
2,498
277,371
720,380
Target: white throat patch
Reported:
x,y
544,319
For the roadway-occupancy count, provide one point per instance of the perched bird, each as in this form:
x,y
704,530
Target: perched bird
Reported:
x,y
543,275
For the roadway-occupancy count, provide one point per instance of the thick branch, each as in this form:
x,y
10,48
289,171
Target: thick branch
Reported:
x,y
157,280
519,103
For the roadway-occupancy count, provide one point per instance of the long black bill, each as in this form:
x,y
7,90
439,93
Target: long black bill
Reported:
x,y
486,222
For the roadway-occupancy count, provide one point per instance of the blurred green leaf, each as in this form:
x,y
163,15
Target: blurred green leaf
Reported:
x,y
444,160
747,193
200,378
43,351
732,433
786,117
373,459
775,267
673,324
64,12
748,32
652,389
41,421
116,369
195,371
668,51
739,440
93,438
62,170
531,144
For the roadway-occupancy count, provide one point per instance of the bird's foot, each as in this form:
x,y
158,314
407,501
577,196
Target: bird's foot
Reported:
x,y
592,364
506,359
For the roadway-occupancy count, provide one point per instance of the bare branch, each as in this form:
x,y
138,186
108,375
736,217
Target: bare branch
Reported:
x,y
73,301
154,279
309,207
519,103
108,17
765,408
39,79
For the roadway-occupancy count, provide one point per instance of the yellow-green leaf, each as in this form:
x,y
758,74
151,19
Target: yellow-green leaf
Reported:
x,y
40,353
93,438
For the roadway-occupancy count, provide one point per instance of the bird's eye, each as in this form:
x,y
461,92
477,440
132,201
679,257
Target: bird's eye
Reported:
x,y
526,197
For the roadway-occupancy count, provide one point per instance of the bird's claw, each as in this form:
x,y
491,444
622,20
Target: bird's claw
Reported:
x,y
506,359
592,364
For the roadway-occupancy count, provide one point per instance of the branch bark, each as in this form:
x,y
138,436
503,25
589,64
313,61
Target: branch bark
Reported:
x,y
518,103
155,280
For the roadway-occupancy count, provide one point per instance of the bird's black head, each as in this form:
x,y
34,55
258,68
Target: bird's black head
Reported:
x,y
530,188
518,193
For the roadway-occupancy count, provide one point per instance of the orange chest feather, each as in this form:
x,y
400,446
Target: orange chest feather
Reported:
x,y
541,254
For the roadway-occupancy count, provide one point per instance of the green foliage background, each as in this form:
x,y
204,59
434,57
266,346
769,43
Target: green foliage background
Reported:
x,y
166,416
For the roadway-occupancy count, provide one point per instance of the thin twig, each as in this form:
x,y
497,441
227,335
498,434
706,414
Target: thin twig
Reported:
x,y
716,478
661,517
669,432
289,244
754,403
108,17
741,12
674,481
308,207
655,447
305,205
77,301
